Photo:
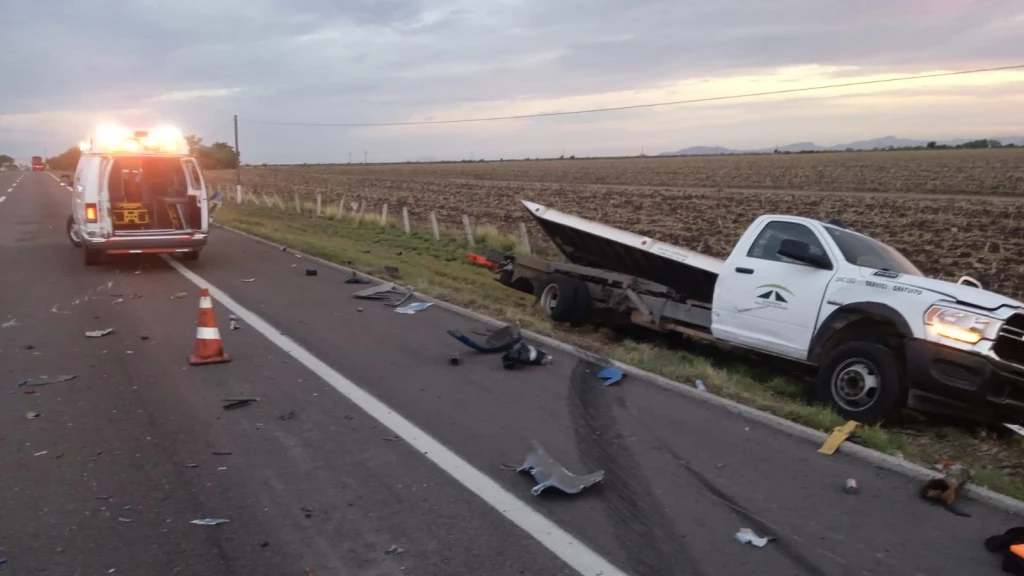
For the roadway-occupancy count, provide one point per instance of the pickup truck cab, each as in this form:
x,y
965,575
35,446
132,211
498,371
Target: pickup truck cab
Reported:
x,y
137,192
880,334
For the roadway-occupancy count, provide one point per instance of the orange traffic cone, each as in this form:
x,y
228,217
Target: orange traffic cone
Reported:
x,y
208,345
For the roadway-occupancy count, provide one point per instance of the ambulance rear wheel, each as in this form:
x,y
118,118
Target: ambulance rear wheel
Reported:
x,y
92,257
72,235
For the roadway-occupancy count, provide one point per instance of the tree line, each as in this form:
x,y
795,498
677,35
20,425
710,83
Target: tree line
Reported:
x,y
216,156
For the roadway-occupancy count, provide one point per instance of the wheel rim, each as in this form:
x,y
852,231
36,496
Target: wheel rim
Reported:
x,y
73,235
855,384
549,297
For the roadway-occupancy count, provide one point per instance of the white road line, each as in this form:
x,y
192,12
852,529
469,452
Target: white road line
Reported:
x,y
573,552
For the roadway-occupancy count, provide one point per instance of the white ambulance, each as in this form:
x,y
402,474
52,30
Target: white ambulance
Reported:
x,y
137,192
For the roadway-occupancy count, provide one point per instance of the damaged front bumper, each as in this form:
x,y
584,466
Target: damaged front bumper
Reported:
x,y
963,384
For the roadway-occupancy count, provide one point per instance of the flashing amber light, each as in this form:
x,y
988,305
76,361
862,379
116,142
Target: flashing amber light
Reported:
x,y
90,213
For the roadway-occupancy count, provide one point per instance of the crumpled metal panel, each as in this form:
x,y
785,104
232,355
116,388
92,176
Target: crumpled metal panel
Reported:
x,y
549,473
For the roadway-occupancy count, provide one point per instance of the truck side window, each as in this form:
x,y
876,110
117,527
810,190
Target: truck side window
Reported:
x,y
195,182
766,245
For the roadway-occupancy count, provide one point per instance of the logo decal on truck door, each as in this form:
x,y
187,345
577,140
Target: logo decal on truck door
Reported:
x,y
774,295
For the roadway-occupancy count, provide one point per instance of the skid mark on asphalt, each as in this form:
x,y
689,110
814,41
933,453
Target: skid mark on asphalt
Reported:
x,y
573,552
652,544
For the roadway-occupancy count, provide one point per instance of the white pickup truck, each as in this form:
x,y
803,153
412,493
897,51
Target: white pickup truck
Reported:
x,y
880,334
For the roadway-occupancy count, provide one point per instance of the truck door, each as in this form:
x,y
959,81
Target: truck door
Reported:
x,y
767,301
198,214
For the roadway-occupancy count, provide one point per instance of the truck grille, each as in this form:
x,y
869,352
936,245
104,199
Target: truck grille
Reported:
x,y
1009,345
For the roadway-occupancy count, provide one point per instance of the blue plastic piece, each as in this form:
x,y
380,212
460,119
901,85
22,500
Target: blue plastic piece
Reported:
x,y
611,375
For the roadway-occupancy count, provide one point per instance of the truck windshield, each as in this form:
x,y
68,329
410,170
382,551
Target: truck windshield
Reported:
x,y
863,251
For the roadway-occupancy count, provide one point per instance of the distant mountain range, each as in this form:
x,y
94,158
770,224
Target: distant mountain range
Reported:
x,y
884,142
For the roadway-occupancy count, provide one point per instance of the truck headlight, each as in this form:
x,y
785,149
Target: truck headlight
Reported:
x,y
959,325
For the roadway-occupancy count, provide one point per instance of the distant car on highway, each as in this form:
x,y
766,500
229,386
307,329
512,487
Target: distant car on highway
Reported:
x,y
37,164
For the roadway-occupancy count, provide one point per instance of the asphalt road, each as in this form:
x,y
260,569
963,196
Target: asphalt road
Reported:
x,y
121,459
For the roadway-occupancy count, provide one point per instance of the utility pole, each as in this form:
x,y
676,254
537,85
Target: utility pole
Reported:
x,y
238,166
238,153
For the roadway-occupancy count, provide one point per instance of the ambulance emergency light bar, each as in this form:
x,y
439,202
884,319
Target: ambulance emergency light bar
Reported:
x,y
112,138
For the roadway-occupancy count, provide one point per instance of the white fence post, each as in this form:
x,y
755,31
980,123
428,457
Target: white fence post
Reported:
x,y
405,219
433,224
469,230
524,239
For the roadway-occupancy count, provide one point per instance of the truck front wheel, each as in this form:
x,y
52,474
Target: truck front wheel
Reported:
x,y
565,299
862,381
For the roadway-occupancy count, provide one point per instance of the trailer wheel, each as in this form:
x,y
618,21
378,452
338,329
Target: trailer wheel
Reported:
x,y
565,299
862,381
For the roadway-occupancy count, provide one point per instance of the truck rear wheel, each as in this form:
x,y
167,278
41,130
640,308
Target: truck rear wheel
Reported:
x,y
862,381
565,299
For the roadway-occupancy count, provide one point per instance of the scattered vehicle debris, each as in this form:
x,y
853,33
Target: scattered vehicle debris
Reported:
x,y
41,453
284,248
13,322
248,279
221,453
414,307
403,300
191,465
1009,543
482,261
508,467
699,385
394,550
59,311
611,375
263,543
99,333
523,353
379,292
287,416
144,337
311,272
851,486
118,301
308,511
837,437
501,340
209,521
549,473
234,325
946,489
360,309
355,279
45,380
123,519
454,359
181,295
28,347
393,438
232,403
30,416
748,536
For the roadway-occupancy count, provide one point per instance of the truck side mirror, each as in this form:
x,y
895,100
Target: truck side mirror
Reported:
x,y
801,252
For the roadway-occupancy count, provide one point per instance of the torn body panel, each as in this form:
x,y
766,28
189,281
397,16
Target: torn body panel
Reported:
x,y
549,473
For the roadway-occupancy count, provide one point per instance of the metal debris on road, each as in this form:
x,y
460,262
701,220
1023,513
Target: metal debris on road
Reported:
x,y
523,353
99,333
118,301
748,536
407,296
851,486
191,465
179,295
355,279
501,340
308,511
123,519
209,521
699,385
45,380
248,279
414,307
360,309
549,473
946,489
611,375
30,416
311,272
13,322
394,550
221,453
287,416
837,437
393,438
41,453
232,403
454,360
235,325
58,311
379,292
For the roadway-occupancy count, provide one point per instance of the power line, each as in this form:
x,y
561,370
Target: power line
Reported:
x,y
638,106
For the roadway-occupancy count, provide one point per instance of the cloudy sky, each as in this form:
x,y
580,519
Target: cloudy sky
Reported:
x,y
66,65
